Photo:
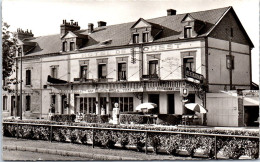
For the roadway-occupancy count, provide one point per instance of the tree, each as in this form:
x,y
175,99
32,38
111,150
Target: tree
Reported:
x,y
9,46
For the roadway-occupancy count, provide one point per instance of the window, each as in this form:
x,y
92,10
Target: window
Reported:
x,y
28,77
4,103
83,71
145,37
92,105
87,105
125,103
102,71
187,32
54,71
72,46
188,64
121,71
153,67
28,103
53,103
64,46
135,38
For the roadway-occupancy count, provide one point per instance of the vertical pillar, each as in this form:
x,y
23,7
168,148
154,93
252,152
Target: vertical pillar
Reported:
x,y
107,104
98,103
59,103
72,104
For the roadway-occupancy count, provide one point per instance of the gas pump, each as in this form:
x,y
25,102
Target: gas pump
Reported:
x,y
116,112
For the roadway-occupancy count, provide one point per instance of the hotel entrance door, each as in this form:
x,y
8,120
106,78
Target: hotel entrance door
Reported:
x,y
154,98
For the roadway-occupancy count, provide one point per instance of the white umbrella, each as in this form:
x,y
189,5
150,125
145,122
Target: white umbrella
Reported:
x,y
196,107
147,105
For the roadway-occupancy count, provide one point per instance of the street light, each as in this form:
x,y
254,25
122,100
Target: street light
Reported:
x,y
21,109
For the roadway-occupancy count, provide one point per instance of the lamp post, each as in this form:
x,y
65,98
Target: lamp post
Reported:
x,y
21,109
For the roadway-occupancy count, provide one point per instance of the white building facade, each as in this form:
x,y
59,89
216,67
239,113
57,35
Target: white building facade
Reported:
x,y
132,63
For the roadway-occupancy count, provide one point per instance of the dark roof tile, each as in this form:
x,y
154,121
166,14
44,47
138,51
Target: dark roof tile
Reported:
x,y
120,34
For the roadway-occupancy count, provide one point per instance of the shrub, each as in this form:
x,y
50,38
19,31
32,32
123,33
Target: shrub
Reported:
x,y
168,119
83,136
90,118
155,143
123,138
135,118
171,143
40,133
74,136
141,127
232,147
64,118
10,130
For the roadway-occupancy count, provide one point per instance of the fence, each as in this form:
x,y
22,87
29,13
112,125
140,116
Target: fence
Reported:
x,y
189,140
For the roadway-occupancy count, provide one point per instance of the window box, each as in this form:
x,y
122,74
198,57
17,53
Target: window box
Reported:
x,y
83,80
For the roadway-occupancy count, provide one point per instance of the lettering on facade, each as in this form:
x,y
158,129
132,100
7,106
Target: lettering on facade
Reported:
x,y
163,89
135,49
105,90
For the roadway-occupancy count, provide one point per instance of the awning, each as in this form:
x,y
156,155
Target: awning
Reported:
x,y
55,80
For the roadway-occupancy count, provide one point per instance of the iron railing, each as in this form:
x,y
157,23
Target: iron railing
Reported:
x,y
51,126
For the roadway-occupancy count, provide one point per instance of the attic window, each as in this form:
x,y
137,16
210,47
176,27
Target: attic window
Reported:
x,y
107,42
187,31
72,46
135,38
64,46
145,37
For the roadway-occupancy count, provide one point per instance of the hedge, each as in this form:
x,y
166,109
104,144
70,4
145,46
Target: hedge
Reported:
x,y
91,118
243,132
232,147
64,118
168,119
134,118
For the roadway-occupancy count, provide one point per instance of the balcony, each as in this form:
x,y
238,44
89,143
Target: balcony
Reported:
x,y
105,80
150,77
84,80
105,86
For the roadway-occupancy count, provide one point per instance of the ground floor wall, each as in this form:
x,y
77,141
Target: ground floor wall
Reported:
x,y
69,103
232,109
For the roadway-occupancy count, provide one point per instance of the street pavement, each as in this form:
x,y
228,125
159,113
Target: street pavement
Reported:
x,y
33,156
62,151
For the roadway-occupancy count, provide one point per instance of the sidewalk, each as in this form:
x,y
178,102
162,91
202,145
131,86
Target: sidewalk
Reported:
x,y
86,151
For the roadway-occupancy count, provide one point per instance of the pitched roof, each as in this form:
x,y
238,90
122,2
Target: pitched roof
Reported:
x,y
120,34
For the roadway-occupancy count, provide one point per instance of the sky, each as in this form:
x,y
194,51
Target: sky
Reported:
x,y
44,17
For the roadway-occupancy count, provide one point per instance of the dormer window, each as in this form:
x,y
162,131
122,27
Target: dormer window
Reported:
x,y
145,37
64,46
72,46
187,31
135,38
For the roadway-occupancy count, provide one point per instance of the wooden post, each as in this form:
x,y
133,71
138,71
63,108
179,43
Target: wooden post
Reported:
x,y
215,147
51,133
93,135
17,130
146,139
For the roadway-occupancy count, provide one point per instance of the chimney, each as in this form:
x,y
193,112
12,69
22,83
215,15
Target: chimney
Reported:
x,y
171,12
68,26
21,34
90,27
101,23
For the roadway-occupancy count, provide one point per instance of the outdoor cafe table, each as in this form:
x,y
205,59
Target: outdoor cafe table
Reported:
x,y
188,119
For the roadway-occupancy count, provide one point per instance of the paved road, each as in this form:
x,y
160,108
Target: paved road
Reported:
x,y
25,155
